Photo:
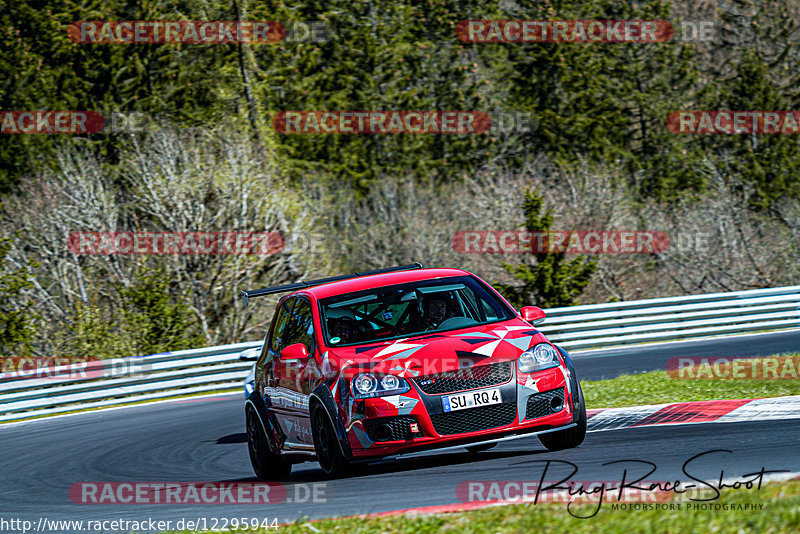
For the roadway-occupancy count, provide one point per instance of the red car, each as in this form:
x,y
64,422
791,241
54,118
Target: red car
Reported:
x,y
399,360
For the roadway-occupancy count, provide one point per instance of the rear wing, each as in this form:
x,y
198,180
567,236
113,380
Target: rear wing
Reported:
x,y
247,295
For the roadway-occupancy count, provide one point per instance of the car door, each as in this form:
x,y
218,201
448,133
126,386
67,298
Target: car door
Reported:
x,y
292,377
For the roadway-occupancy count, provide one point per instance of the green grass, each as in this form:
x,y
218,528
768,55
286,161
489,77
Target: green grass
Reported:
x,y
657,387
780,513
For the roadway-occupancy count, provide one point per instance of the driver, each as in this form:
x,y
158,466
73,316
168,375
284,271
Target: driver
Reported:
x,y
436,311
343,328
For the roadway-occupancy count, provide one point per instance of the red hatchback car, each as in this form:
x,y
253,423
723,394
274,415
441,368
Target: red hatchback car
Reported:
x,y
399,360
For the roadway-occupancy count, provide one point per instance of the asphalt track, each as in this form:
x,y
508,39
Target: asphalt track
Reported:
x,y
203,441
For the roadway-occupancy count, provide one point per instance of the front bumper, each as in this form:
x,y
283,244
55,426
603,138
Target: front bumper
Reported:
x,y
416,420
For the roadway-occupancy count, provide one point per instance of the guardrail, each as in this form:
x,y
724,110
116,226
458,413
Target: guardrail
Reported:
x,y
673,318
214,369
155,377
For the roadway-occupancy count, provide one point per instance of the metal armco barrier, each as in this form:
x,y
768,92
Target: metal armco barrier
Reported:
x,y
213,369
673,318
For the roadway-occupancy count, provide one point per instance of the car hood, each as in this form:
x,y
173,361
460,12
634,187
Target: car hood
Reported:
x,y
440,352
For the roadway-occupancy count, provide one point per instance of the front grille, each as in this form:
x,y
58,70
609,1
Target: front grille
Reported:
x,y
540,404
399,428
479,376
473,419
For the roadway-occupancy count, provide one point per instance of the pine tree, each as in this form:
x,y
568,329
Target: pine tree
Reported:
x,y
549,281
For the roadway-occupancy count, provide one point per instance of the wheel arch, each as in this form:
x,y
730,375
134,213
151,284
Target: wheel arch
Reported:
x,y
574,383
322,397
269,424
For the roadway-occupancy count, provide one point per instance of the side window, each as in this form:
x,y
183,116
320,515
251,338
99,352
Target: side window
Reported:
x,y
301,326
265,355
277,341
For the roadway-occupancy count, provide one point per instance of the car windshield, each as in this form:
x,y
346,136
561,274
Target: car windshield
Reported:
x,y
409,309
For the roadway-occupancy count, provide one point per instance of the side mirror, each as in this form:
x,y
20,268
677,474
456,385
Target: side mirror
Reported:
x,y
250,355
532,314
296,351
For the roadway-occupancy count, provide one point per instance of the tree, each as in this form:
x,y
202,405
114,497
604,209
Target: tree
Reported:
x,y
768,163
551,281
169,181
186,84
16,330
607,102
379,57
158,320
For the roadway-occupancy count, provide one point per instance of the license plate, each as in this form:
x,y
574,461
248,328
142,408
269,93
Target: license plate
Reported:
x,y
484,397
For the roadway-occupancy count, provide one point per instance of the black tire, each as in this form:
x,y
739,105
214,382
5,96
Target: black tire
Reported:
x,y
326,444
266,466
474,449
571,437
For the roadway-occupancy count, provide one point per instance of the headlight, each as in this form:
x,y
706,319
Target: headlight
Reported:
x,y
368,385
542,356
365,384
390,382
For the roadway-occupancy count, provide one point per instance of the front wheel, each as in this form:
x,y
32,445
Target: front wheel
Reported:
x,y
266,465
326,444
571,437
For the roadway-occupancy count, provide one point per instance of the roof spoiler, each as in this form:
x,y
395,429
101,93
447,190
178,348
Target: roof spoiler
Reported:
x,y
247,295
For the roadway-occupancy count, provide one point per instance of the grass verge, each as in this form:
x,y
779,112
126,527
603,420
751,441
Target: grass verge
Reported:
x,y
657,387
775,508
